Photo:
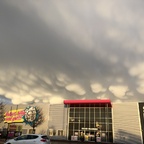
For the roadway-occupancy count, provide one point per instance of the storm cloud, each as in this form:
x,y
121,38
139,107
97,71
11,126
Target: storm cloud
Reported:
x,y
53,50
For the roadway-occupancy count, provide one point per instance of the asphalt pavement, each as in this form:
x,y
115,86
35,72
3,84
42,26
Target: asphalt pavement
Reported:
x,y
65,142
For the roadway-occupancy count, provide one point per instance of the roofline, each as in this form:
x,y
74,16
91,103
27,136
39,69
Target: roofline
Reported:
x,y
88,101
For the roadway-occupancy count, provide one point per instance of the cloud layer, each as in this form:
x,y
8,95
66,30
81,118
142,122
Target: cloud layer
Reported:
x,y
55,50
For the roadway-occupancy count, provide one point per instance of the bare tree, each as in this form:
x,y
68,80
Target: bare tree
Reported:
x,y
2,106
40,119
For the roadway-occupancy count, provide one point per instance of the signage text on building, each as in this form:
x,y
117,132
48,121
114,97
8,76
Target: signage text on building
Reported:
x,y
14,116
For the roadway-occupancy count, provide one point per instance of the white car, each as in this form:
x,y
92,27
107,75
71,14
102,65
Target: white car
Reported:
x,y
29,139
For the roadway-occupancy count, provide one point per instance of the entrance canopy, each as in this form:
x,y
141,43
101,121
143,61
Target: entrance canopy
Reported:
x,y
97,102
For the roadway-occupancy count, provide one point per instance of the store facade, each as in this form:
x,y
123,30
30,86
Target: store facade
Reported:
x,y
83,120
89,120
97,120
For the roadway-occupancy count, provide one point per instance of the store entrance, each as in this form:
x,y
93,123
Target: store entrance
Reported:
x,y
90,135
90,122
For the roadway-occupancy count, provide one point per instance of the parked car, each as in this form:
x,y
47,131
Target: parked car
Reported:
x,y
29,139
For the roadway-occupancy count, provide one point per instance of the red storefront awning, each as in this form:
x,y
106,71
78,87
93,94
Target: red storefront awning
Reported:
x,y
91,101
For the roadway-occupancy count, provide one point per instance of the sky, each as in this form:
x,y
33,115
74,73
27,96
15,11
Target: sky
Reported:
x,y
52,50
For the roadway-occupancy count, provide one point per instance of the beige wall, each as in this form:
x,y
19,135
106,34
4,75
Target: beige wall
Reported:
x,y
126,123
58,118
40,129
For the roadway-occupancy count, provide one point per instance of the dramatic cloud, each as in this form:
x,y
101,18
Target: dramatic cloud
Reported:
x,y
96,88
119,91
76,89
56,100
55,50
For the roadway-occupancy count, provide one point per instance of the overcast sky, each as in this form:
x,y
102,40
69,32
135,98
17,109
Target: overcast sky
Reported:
x,y
51,50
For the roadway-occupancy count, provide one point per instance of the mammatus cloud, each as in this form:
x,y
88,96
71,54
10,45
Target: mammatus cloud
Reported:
x,y
76,89
138,72
55,50
56,100
96,88
119,90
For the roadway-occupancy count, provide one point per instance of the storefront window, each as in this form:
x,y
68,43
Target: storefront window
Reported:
x,y
72,110
102,109
82,115
71,114
87,115
109,120
92,110
81,110
109,115
77,110
92,120
92,125
92,115
87,109
81,125
97,110
76,114
76,126
71,126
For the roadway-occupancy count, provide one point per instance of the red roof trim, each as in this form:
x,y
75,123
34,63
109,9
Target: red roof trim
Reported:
x,y
92,101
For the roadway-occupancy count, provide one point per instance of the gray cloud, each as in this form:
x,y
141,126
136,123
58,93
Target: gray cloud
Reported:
x,y
53,50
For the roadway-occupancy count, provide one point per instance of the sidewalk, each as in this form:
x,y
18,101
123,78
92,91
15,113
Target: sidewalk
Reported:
x,y
78,142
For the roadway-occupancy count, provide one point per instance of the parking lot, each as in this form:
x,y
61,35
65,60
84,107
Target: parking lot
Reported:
x,y
65,142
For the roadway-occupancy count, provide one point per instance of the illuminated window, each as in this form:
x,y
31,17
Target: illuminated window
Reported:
x,y
60,133
50,132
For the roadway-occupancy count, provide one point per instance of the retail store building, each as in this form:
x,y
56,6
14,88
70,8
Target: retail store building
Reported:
x,y
90,120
